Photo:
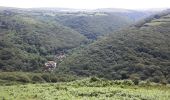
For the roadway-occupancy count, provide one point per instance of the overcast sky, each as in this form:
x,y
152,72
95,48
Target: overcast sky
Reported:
x,y
87,4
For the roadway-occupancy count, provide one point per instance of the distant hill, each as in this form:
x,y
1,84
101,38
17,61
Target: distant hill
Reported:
x,y
99,22
138,52
26,42
30,37
134,15
92,23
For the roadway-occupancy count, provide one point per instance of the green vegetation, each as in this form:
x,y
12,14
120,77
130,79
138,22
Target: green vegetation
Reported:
x,y
26,42
132,63
30,37
141,53
94,24
13,78
157,18
87,89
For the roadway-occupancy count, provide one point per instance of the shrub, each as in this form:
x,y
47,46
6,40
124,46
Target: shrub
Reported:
x,y
164,82
136,81
54,79
46,77
127,82
23,78
9,77
37,78
168,80
123,82
94,79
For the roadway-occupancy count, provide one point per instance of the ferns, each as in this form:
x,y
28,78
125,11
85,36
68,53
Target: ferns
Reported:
x,y
85,90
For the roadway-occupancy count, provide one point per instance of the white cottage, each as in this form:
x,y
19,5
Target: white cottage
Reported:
x,y
50,65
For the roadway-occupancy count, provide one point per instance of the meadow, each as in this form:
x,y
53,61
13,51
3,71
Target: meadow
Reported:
x,y
86,89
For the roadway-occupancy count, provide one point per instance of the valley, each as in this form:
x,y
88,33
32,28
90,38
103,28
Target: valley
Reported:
x,y
78,54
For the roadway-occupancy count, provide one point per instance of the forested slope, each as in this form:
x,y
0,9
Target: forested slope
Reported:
x,y
94,24
30,37
140,52
26,42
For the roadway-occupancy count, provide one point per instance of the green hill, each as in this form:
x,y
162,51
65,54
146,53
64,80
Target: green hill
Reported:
x,y
94,24
26,42
138,52
99,22
30,37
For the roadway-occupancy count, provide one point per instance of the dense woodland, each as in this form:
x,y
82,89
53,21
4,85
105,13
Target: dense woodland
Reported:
x,y
100,43
95,24
26,42
139,52
30,37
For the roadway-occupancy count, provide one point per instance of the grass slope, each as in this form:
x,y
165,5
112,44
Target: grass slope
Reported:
x,y
86,89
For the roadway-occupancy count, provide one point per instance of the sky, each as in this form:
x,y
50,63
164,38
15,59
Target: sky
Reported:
x,y
87,4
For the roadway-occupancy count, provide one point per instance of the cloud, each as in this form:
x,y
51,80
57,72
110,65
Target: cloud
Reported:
x,y
87,4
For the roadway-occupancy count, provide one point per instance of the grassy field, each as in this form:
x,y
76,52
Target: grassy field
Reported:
x,y
86,89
